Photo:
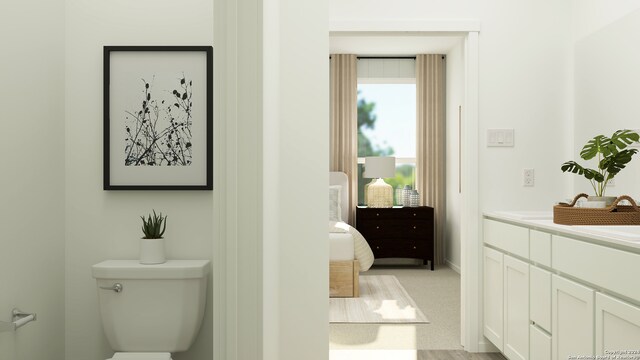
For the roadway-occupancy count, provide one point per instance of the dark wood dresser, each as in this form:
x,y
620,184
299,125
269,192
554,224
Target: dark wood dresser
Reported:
x,y
399,232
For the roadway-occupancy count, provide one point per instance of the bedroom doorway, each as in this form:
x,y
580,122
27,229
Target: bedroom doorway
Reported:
x,y
346,338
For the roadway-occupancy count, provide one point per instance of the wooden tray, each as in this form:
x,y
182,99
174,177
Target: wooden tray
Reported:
x,y
568,214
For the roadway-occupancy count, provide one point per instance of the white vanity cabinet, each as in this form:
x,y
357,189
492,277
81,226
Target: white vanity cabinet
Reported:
x,y
540,290
506,299
573,320
539,344
617,325
516,308
493,296
551,292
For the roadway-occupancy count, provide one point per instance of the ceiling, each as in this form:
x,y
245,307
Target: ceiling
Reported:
x,y
392,45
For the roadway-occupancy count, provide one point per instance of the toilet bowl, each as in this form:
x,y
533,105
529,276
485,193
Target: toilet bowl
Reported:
x,y
151,311
141,356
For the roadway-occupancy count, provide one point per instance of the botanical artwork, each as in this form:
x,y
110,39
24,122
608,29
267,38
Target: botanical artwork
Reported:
x,y
159,132
158,118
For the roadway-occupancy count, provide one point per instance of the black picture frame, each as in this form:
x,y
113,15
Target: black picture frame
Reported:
x,y
155,138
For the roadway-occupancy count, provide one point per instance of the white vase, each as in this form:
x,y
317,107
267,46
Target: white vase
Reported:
x,y
152,251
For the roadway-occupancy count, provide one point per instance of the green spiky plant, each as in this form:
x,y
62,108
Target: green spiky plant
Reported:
x,y
612,156
153,227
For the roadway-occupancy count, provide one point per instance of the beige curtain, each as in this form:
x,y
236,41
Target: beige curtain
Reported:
x,y
344,123
430,157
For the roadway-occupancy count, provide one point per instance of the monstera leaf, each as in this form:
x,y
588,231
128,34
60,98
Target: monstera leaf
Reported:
x,y
608,146
612,155
576,168
617,162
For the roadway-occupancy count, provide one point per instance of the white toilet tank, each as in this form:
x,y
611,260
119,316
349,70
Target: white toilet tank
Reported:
x,y
159,308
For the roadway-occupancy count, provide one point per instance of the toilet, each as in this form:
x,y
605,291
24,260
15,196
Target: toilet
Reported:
x,y
151,311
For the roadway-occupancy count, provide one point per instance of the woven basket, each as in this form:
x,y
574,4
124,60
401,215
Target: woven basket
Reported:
x,y
567,214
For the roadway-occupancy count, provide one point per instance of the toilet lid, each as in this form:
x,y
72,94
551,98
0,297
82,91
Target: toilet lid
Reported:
x,y
141,356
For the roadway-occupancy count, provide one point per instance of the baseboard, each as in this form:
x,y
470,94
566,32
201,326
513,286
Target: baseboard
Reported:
x,y
487,347
453,266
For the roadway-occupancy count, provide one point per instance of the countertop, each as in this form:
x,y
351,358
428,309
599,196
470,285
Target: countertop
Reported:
x,y
624,237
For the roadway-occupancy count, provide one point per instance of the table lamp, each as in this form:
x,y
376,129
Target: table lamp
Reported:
x,y
379,194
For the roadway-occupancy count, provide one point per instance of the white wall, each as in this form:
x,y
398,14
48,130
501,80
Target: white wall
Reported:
x,y
607,90
276,161
105,224
590,16
32,177
455,98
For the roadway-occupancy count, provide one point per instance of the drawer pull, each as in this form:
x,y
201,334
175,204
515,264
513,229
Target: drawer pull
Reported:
x,y
378,247
377,227
414,214
414,248
414,227
377,214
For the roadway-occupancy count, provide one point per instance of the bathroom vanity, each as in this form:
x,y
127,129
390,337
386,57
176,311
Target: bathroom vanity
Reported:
x,y
551,291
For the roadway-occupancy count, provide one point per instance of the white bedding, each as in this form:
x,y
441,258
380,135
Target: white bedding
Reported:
x,y
361,250
341,247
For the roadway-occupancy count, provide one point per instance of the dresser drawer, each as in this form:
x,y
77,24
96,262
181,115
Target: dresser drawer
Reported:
x,y
394,213
398,248
388,230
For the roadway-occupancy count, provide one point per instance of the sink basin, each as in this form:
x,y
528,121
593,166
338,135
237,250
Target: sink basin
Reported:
x,y
527,215
626,232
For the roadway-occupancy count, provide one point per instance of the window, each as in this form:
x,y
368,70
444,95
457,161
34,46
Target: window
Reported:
x,y
387,127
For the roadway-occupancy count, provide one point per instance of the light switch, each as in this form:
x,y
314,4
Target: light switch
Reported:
x,y
500,137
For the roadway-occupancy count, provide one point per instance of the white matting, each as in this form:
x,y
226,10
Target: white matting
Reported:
x,y
382,300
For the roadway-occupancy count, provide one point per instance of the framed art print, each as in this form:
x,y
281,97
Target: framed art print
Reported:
x,y
158,118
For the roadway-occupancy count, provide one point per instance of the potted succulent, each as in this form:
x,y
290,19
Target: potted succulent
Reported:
x,y
152,244
612,155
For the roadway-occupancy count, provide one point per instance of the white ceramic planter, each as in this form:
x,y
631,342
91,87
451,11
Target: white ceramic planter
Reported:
x,y
608,200
152,251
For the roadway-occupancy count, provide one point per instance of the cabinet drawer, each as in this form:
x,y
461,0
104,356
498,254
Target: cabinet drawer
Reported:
x,y
540,344
540,247
511,238
540,289
612,269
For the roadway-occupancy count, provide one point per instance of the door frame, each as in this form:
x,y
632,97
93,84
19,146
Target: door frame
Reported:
x,y
471,279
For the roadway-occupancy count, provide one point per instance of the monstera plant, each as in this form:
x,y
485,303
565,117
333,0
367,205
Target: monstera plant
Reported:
x,y
611,154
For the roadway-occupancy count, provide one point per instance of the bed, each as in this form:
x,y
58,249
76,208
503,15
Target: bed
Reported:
x,y
349,252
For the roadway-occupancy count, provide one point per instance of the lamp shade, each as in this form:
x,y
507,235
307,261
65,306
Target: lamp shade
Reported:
x,y
379,167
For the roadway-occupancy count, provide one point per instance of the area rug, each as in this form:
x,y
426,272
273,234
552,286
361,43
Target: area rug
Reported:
x,y
382,300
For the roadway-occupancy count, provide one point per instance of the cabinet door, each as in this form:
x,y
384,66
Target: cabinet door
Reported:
x,y
540,344
516,309
493,296
540,289
573,320
617,325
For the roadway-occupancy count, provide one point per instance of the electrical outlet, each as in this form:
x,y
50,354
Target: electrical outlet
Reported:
x,y
528,177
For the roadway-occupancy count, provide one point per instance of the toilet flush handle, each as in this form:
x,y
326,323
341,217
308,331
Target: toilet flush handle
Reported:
x,y
117,287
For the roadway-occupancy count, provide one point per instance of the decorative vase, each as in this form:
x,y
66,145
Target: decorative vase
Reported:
x,y
406,196
415,199
152,251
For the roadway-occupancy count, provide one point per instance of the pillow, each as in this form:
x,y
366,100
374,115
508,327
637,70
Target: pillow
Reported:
x,y
335,209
